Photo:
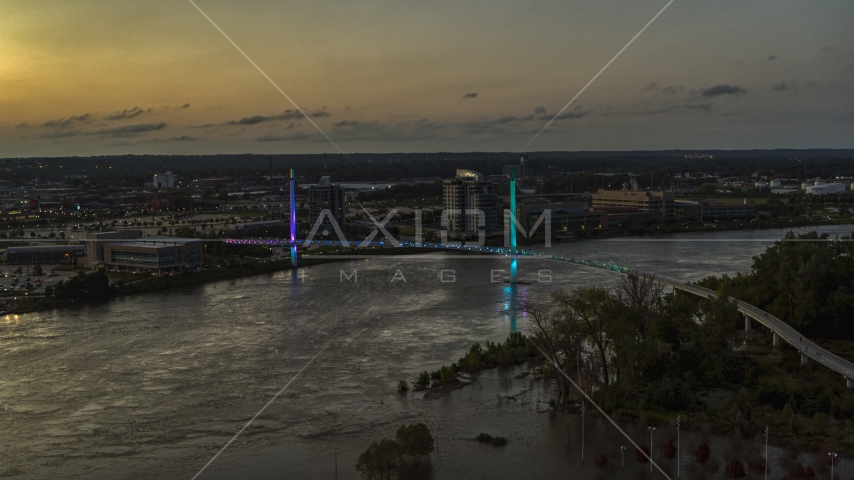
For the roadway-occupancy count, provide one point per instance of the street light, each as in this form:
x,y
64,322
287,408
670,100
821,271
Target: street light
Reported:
x,y
623,451
832,456
651,433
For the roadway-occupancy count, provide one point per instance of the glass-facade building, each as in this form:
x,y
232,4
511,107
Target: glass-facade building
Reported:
x,y
154,254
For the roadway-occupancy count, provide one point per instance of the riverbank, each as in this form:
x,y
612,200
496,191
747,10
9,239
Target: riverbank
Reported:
x,y
204,276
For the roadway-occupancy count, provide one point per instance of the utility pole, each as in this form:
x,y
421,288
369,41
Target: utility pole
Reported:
x,y
651,433
677,447
336,461
623,451
766,453
582,431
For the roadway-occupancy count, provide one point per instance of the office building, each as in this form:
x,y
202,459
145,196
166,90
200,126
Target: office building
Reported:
x,y
709,210
96,241
153,254
465,196
164,180
658,204
325,195
44,254
563,217
521,169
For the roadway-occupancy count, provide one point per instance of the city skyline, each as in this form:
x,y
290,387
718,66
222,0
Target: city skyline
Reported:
x,y
97,78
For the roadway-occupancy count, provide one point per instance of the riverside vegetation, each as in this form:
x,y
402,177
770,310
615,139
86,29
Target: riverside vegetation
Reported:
x,y
384,458
646,355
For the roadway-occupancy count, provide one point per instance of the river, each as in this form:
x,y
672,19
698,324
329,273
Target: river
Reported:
x,y
152,386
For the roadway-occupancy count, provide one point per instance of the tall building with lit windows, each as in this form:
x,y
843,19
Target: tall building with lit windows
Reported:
x,y
325,195
464,197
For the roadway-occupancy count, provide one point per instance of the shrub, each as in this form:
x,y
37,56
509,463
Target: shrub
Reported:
x,y
668,449
422,380
447,374
402,386
711,466
788,414
735,470
756,464
820,422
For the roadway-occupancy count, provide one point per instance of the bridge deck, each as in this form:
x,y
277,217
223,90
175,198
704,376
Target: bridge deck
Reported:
x,y
779,327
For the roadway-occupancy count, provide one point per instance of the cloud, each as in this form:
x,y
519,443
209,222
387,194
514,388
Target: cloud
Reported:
x,y
651,87
62,134
568,116
128,130
780,87
723,89
186,105
183,138
23,125
425,124
358,126
772,58
539,111
470,95
705,107
829,48
67,122
513,118
207,125
672,89
127,114
282,138
286,115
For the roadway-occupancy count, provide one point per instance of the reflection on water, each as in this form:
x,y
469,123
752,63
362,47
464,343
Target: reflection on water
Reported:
x,y
511,306
151,386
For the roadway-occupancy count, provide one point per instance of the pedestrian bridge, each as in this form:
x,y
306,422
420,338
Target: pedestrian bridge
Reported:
x,y
779,329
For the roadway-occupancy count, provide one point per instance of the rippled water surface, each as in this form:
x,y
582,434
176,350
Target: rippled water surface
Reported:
x,y
152,386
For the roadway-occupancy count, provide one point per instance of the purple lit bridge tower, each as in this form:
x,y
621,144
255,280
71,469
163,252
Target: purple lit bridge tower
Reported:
x,y
293,222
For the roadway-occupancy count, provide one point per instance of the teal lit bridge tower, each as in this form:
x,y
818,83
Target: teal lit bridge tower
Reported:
x,y
513,247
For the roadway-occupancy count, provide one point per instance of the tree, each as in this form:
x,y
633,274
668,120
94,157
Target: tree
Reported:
x,y
37,270
596,313
788,414
380,461
702,453
735,469
642,455
668,449
415,441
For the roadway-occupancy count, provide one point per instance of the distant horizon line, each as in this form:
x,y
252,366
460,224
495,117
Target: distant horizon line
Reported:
x,y
506,152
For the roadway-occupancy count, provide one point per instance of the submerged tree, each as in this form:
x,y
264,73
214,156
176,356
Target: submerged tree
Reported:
x,y
415,441
380,461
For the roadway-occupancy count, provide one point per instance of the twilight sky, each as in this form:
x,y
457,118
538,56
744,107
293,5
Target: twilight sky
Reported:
x,y
93,77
